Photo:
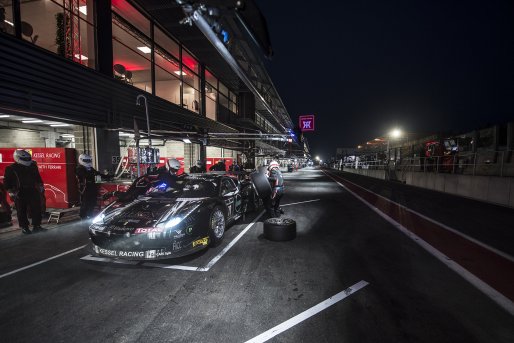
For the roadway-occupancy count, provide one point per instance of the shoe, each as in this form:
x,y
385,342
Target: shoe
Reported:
x,y
39,229
26,230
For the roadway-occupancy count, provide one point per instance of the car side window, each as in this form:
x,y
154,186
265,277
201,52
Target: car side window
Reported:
x,y
227,186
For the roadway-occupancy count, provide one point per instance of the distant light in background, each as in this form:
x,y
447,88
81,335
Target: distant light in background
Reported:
x,y
186,140
396,133
31,121
144,49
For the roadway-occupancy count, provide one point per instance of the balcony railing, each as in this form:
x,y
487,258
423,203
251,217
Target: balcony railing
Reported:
x,y
488,163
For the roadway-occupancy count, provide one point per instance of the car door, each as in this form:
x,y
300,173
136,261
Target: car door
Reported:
x,y
231,197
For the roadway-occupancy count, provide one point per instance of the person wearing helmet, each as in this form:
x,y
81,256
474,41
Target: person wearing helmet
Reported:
x,y
272,204
170,177
198,168
86,178
219,166
24,184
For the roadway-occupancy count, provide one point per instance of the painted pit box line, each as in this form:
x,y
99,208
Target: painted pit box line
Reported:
x,y
190,268
267,335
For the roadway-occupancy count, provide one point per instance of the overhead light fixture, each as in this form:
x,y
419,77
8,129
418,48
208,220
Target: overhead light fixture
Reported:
x,y
68,135
81,57
178,72
145,49
126,134
59,125
187,140
8,22
83,9
4,116
31,121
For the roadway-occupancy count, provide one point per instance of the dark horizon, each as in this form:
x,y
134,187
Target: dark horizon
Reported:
x,y
365,68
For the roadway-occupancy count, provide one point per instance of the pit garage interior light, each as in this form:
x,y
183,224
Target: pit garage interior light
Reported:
x,y
145,49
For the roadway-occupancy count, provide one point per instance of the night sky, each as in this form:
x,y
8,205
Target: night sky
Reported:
x,y
364,67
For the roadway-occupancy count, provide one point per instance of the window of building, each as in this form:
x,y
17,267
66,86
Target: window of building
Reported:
x,y
131,55
166,43
131,15
167,78
191,90
6,17
190,62
65,28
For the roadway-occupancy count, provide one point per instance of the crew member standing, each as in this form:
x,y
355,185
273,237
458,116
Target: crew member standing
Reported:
x,y
24,185
272,204
86,176
198,168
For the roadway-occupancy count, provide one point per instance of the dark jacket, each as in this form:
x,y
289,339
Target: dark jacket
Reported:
x,y
18,176
275,178
86,176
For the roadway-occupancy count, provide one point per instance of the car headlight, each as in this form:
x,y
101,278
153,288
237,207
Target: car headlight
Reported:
x,y
172,222
99,218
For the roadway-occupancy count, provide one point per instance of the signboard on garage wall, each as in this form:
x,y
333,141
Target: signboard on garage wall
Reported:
x,y
57,169
306,122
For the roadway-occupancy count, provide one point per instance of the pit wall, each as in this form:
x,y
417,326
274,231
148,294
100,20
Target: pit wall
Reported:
x,y
492,189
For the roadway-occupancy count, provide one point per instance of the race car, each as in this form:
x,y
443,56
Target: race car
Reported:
x,y
170,222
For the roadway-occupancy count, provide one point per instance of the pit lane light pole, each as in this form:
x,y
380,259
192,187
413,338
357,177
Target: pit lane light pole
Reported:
x,y
394,134
139,97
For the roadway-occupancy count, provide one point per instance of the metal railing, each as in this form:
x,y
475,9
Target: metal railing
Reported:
x,y
488,163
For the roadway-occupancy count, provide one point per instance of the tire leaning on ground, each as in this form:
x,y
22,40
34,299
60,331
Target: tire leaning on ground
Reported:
x,y
261,184
279,229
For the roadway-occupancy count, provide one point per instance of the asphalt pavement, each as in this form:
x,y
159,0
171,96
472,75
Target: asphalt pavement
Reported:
x,y
349,276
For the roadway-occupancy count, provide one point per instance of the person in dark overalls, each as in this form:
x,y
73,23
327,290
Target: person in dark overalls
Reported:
x,y
272,203
86,177
24,184
170,177
198,168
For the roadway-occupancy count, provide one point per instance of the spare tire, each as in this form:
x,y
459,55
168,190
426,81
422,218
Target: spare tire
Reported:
x,y
279,229
261,185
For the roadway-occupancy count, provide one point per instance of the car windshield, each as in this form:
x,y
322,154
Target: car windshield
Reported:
x,y
199,188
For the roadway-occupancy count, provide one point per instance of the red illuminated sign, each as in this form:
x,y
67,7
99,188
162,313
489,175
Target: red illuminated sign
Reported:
x,y
307,123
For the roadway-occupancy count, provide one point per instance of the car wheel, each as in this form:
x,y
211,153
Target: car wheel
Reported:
x,y
261,185
279,229
216,226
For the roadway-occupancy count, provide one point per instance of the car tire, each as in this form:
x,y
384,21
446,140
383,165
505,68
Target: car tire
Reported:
x,y
279,229
261,185
217,226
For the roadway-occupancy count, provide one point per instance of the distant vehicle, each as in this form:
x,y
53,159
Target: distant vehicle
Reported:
x,y
172,222
290,168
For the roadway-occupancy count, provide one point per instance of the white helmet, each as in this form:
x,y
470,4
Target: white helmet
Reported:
x,y
86,161
174,164
22,157
199,163
273,164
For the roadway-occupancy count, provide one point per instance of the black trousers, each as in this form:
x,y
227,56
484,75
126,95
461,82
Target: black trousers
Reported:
x,y
88,200
272,205
28,198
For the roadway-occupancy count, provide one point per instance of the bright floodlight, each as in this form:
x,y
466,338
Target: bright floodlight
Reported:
x,y
317,158
396,133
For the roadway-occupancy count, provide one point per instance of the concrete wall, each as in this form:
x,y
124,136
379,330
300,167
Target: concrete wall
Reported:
x,y
493,189
377,174
12,138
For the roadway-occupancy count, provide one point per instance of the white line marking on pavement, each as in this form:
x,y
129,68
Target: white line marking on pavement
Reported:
x,y
40,262
230,245
263,337
493,294
170,266
301,202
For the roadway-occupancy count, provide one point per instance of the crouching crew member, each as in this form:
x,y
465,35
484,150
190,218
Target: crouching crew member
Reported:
x,y
170,177
198,168
86,177
24,184
272,204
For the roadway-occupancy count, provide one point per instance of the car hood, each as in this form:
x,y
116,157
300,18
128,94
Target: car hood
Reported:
x,y
151,212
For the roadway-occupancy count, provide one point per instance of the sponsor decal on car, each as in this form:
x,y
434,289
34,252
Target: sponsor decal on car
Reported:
x,y
202,241
189,230
177,246
148,230
179,234
116,253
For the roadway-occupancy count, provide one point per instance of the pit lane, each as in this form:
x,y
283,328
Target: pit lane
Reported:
x,y
255,287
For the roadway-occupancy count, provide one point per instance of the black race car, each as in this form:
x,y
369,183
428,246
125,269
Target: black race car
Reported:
x,y
170,222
